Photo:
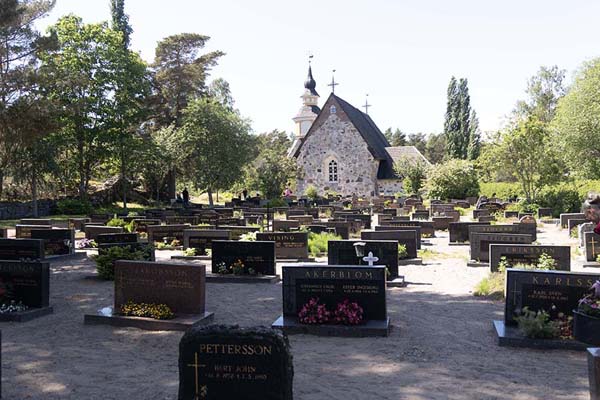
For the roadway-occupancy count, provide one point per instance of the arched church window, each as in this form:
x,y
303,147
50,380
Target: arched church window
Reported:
x,y
332,110
333,171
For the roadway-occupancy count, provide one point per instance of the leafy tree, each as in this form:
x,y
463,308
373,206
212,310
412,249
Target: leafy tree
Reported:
x,y
417,140
216,144
457,120
544,90
219,90
413,172
474,148
453,179
577,123
20,103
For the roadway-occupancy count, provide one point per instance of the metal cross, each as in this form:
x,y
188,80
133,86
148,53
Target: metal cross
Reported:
x,y
196,366
370,258
367,105
333,84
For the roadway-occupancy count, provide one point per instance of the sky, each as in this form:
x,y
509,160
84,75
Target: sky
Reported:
x,y
401,53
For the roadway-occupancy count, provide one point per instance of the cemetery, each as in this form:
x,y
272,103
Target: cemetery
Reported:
x,y
171,229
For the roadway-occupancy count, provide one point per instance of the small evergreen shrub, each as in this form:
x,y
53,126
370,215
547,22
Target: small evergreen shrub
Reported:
x,y
74,207
537,325
317,242
105,263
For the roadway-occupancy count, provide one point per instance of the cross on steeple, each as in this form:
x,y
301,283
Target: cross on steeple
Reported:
x,y
367,105
370,258
333,84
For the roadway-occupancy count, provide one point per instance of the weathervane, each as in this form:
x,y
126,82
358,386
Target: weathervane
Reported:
x,y
367,105
333,84
310,57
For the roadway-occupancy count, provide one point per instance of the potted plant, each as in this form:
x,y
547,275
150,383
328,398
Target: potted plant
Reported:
x,y
586,319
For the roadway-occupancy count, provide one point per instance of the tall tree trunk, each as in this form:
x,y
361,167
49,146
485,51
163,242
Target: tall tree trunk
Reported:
x,y
172,184
34,194
123,183
210,197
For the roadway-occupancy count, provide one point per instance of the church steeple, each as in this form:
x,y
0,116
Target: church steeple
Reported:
x,y
310,109
310,83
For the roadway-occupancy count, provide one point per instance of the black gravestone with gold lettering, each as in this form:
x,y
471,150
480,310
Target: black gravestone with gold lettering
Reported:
x,y
592,246
57,242
287,244
227,362
260,256
333,286
21,249
529,254
27,283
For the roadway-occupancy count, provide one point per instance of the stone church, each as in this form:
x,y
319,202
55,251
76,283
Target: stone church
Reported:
x,y
340,149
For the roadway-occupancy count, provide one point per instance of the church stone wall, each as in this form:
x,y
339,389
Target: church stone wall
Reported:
x,y
389,187
337,139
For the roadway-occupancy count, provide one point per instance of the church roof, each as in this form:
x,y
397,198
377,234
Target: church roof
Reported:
x,y
399,154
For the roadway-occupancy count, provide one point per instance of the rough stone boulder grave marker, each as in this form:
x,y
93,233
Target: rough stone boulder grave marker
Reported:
x,y
24,231
160,233
288,245
92,231
564,218
227,362
403,228
408,238
345,252
337,287
257,255
529,254
541,290
22,249
459,231
480,245
201,240
181,287
592,246
26,282
57,242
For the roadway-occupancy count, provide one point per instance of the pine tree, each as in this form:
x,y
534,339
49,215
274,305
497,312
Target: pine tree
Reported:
x,y
398,138
120,20
474,138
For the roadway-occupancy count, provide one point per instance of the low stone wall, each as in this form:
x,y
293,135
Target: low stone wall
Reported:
x,y
17,210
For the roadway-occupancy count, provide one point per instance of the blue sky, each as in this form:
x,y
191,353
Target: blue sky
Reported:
x,y
401,53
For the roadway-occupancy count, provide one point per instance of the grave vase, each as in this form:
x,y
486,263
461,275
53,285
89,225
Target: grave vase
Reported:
x,y
586,329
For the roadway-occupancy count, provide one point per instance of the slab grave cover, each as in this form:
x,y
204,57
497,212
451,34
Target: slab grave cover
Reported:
x,y
342,252
540,290
403,228
407,238
56,241
21,249
592,246
201,239
227,362
287,244
480,243
529,254
257,255
28,282
182,287
158,233
333,284
459,231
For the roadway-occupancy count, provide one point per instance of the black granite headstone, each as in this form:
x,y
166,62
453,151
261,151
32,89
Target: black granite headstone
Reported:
x,y
227,362
459,231
407,238
342,252
21,249
117,238
403,228
592,246
480,243
529,254
26,282
257,255
202,239
287,244
56,241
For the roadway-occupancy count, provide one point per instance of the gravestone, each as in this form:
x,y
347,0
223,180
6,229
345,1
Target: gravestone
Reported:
x,y
146,248
202,239
406,238
426,226
541,290
24,231
92,231
317,229
544,212
424,215
486,218
228,362
28,283
158,233
78,223
365,219
36,221
332,285
441,223
21,249
592,246
4,233
574,222
56,241
566,216
181,219
181,287
342,228
593,357
141,224
480,243
238,231
480,213
101,218
302,219
287,244
403,228
284,225
260,256
459,231
582,229
529,254
117,238
343,252
511,214
527,229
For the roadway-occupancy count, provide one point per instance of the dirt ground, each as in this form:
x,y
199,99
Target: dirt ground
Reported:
x,y
442,345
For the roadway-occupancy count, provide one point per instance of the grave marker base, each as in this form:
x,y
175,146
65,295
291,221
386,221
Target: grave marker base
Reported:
x,y
191,258
372,328
181,323
398,282
410,261
510,336
230,278
73,256
478,264
26,315
458,244
590,264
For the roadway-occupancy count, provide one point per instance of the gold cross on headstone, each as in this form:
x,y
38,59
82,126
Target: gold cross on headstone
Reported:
x,y
196,367
593,243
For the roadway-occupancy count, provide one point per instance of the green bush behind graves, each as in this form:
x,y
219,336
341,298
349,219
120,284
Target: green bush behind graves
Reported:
x,y
318,242
74,207
454,179
105,263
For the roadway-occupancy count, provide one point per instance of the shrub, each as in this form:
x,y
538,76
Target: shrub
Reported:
x,y
189,252
503,190
454,179
317,242
402,253
491,286
105,262
277,203
117,222
561,199
311,192
537,325
74,207
148,310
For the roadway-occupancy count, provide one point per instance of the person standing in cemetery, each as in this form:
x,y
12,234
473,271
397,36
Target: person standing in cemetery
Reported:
x,y
591,210
186,197
287,192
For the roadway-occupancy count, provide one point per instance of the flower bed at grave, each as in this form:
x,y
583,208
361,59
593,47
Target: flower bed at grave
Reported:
x,y
345,313
172,245
148,310
237,268
12,306
85,244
